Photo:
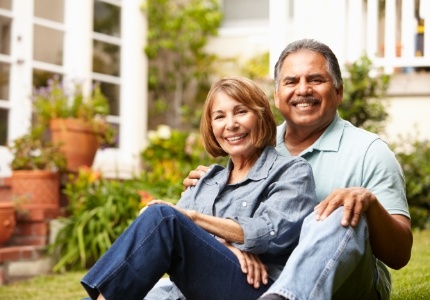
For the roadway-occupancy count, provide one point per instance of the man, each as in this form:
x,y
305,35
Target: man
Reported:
x,y
362,222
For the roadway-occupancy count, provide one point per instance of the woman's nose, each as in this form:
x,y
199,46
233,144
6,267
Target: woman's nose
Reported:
x,y
232,123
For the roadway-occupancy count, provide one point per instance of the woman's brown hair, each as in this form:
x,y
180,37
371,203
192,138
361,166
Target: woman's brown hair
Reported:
x,y
246,92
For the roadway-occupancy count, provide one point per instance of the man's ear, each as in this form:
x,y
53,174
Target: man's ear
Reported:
x,y
275,97
339,95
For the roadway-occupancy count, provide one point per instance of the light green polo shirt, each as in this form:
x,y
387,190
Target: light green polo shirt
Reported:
x,y
346,156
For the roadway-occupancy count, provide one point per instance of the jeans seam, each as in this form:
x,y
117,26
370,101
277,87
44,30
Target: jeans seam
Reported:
x,y
332,262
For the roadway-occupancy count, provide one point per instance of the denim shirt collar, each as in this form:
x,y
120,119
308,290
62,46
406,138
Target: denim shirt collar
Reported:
x,y
259,171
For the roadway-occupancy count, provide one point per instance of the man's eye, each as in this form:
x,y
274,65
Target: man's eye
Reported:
x,y
316,81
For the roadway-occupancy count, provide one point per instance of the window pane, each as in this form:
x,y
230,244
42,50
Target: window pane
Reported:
x,y
111,91
6,4
50,9
48,45
240,10
41,77
107,19
4,116
106,58
4,81
5,26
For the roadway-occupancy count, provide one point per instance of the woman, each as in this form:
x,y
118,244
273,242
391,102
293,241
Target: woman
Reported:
x,y
234,230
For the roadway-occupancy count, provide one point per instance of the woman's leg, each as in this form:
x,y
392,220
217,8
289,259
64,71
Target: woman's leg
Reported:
x,y
162,240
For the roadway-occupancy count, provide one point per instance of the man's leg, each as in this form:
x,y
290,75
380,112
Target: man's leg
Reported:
x,y
330,261
166,290
162,240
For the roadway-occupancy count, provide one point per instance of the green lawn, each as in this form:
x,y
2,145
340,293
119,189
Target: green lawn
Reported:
x,y
409,283
413,281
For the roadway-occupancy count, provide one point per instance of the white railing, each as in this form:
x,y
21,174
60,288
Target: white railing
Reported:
x,y
395,39
385,30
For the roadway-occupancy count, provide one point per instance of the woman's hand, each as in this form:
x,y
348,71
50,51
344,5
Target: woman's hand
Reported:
x,y
252,266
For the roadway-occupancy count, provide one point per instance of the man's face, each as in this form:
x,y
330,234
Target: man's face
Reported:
x,y
306,96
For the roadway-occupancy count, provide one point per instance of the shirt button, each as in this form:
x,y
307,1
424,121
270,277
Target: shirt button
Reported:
x,y
244,204
272,233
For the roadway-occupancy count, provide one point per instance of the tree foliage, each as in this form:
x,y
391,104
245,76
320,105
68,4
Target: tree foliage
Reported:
x,y
178,31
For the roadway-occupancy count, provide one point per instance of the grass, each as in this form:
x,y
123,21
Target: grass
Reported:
x,y
413,281
65,286
409,283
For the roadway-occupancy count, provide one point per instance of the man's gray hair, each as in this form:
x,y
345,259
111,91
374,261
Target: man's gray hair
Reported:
x,y
315,46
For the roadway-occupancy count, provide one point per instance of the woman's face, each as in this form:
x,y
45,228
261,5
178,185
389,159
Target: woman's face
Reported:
x,y
233,125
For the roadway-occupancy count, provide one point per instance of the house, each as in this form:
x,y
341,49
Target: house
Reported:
x,y
70,37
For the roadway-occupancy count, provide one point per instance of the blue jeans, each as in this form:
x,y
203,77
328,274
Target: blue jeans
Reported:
x,y
162,240
331,262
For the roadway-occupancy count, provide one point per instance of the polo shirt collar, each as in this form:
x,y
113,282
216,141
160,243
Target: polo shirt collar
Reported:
x,y
328,141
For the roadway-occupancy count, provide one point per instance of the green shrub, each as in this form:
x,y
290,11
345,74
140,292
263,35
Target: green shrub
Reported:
x,y
99,211
168,159
414,157
363,95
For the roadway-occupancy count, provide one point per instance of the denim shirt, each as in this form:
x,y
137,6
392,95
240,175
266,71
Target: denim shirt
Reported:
x,y
269,204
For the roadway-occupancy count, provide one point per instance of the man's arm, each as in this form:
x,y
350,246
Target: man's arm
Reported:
x,y
390,235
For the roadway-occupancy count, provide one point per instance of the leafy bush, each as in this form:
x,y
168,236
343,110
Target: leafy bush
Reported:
x,y
99,211
168,159
363,95
414,157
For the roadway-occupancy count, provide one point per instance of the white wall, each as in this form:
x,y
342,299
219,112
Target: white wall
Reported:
x,y
408,116
409,106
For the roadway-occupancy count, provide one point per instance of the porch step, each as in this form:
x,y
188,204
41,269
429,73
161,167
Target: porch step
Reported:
x,y
23,262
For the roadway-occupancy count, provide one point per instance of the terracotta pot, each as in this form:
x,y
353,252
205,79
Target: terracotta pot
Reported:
x,y
78,141
36,189
7,221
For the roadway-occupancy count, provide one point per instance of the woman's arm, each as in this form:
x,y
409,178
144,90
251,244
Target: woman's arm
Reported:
x,y
226,229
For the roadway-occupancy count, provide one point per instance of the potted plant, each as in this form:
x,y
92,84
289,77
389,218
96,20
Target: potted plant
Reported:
x,y
77,121
36,168
7,221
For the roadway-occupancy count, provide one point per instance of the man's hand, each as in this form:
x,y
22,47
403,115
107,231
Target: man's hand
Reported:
x,y
194,176
356,200
252,266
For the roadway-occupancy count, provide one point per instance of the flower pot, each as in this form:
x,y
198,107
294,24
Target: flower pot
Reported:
x,y
36,189
78,141
7,221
